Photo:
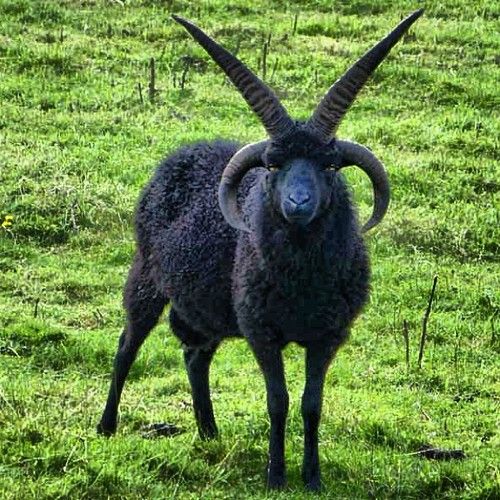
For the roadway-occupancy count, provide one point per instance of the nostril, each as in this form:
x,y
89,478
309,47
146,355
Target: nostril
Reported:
x,y
299,199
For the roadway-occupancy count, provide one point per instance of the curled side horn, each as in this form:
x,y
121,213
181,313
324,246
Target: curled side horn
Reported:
x,y
258,95
360,156
242,161
334,105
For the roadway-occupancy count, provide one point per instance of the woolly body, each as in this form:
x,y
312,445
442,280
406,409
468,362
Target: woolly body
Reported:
x,y
279,281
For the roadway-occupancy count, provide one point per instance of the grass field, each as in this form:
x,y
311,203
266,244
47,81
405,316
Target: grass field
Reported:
x,y
77,143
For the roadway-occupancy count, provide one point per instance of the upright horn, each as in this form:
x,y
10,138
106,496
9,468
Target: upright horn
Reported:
x,y
334,105
258,95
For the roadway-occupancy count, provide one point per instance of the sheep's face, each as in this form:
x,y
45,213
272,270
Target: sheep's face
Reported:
x,y
300,181
301,191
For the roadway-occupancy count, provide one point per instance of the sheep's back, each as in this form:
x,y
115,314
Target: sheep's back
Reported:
x,y
185,239
178,219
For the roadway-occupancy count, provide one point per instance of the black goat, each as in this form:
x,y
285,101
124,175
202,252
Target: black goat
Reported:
x,y
291,266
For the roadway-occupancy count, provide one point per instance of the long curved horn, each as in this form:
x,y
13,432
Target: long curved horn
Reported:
x,y
242,161
360,156
334,105
258,95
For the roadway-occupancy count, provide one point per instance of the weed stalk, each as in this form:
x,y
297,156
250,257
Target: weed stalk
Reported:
x,y
424,323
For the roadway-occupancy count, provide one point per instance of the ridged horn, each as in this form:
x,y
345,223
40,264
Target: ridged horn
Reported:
x,y
360,156
334,105
258,95
242,161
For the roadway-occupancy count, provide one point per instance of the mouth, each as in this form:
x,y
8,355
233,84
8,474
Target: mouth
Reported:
x,y
297,215
298,219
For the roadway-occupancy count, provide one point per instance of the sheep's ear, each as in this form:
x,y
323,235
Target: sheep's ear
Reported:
x,y
334,105
258,95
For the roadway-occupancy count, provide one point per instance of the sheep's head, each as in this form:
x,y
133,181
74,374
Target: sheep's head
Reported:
x,y
302,157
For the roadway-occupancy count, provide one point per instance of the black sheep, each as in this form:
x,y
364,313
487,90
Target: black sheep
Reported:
x,y
289,266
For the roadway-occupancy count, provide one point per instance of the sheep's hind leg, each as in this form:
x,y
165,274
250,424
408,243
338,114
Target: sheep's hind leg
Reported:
x,y
197,360
144,306
318,358
197,365
270,361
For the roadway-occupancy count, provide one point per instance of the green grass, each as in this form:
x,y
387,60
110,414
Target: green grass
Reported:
x,y
77,145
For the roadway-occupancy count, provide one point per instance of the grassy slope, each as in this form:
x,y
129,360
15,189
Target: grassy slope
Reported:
x,y
76,145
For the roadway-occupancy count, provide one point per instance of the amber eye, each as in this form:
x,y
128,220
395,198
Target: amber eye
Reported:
x,y
273,168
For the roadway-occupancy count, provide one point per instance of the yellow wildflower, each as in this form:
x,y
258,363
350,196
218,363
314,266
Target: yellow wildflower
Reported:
x,y
7,222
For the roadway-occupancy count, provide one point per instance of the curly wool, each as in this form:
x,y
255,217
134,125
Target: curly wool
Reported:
x,y
274,283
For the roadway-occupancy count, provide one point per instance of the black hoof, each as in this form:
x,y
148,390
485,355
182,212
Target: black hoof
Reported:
x,y
105,430
209,433
152,431
276,479
276,482
313,484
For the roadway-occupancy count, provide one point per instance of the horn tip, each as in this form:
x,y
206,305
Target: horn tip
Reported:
x,y
180,20
415,15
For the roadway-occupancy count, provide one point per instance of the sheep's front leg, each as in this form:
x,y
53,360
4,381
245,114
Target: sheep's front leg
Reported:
x,y
271,363
318,357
